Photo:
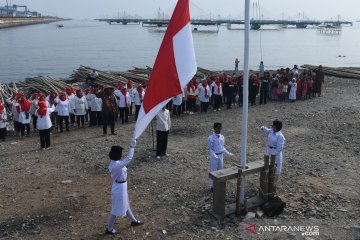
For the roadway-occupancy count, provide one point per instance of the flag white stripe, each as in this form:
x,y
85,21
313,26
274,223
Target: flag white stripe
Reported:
x,y
144,119
184,55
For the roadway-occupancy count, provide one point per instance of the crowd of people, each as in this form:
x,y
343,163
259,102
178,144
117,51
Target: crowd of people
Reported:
x,y
103,106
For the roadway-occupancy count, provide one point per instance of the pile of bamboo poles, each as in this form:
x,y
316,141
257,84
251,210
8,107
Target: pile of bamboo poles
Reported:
x,y
337,72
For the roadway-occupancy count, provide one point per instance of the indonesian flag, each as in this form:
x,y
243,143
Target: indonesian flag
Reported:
x,y
174,67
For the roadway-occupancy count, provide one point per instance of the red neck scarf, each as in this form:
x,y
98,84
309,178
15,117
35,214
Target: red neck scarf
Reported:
x,y
1,107
25,105
190,85
124,92
140,91
218,83
205,87
42,108
129,84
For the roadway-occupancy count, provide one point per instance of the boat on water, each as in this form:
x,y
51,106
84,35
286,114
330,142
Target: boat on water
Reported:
x,y
60,25
194,30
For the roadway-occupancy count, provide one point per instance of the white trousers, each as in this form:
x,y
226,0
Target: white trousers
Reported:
x,y
216,164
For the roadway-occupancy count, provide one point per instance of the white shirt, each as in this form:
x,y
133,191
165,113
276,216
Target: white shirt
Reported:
x,y
3,117
275,141
63,108
12,103
80,106
216,144
45,121
121,102
89,97
163,122
118,169
71,100
137,97
96,104
177,100
216,88
202,96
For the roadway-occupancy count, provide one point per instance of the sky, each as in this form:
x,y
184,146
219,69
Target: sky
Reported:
x,y
269,9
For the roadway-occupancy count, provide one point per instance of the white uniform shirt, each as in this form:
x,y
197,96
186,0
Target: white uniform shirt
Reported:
x,y
137,97
45,121
275,141
191,91
96,104
12,103
216,89
24,117
118,169
71,100
177,100
80,105
3,117
89,97
216,144
63,108
202,96
121,100
163,122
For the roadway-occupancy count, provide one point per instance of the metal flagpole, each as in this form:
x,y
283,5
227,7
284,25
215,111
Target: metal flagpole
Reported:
x,y
245,97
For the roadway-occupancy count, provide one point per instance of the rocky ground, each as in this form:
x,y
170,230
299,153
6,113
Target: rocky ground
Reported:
x,y
64,193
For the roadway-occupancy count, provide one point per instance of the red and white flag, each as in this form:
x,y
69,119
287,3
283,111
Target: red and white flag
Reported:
x,y
174,67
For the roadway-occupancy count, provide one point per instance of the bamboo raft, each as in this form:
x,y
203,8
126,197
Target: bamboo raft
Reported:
x,y
337,72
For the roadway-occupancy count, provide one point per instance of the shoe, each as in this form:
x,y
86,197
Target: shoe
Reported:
x,y
112,232
113,134
43,149
136,223
67,130
48,148
157,157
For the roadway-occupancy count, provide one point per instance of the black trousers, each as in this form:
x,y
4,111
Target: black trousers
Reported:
x,y
169,105
2,133
22,127
137,109
204,106
177,110
93,121
97,118
124,114
44,138
229,99
240,102
217,101
108,119
34,118
17,127
190,103
87,115
80,118
61,120
161,142
72,118
131,109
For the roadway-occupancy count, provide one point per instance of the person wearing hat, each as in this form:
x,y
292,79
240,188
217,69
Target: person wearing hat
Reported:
x,y
275,145
293,90
44,123
139,97
124,101
120,206
216,144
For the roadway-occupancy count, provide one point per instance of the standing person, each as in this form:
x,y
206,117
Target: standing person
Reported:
x,y
89,96
295,71
191,97
80,108
124,103
217,94
120,204
319,80
12,102
131,90
285,87
23,108
216,145
240,83
252,89
139,97
261,69
3,117
34,101
70,96
96,105
204,96
177,101
52,99
264,88
63,110
275,145
44,123
293,90
163,125
230,93
237,64
109,109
